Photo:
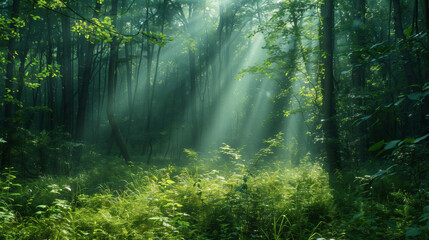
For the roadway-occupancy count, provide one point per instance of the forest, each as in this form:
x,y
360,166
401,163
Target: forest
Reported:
x,y
214,119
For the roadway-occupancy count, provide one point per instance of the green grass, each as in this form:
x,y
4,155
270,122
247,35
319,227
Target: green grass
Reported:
x,y
232,201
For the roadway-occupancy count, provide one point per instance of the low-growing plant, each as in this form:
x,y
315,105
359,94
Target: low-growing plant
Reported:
x,y
234,201
8,193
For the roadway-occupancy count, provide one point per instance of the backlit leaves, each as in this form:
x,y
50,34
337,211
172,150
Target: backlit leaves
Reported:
x,y
8,27
96,31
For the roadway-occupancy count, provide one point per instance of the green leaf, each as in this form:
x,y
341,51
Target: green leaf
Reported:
x,y
421,138
415,96
407,31
399,101
359,121
407,140
376,146
366,117
345,72
2,140
358,215
391,144
412,232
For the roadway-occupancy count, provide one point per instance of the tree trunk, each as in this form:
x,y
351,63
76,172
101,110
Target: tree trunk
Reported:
x,y
85,74
129,69
328,91
358,76
425,108
84,88
128,63
399,32
147,143
22,57
67,76
112,74
426,14
410,123
155,78
193,98
50,82
8,85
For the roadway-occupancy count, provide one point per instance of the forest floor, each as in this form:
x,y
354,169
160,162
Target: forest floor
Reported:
x,y
215,198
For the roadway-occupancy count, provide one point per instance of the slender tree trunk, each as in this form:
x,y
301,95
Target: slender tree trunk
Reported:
x,y
220,29
425,108
85,74
128,67
22,57
410,124
358,75
155,78
147,143
137,76
426,14
8,85
193,98
328,92
129,74
100,95
50,83
67,76
399,32
113,62
84,88
41,90
358,71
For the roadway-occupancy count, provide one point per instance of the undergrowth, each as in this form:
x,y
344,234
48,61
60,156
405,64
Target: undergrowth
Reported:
x,y
233,201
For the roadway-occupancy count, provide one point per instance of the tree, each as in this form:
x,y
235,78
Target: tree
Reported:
x,y
111,86
67,75
188,23
328,92
85,73
426,16
50,63
8,106
358,73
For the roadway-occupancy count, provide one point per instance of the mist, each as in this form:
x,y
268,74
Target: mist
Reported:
x,y
214,119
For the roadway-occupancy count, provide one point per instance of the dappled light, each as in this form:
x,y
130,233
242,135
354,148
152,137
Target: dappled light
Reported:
x,y
214,119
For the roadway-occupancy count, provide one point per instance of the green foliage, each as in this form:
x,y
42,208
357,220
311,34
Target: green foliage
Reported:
x,y
31,81
173,203
191,155
103,30
95,30
48,152
8,193
268,151
50,4
396,145
8,27
114,201
417,97
394,199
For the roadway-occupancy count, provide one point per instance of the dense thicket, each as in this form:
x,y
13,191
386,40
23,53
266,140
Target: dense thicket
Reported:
x,y
339,84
